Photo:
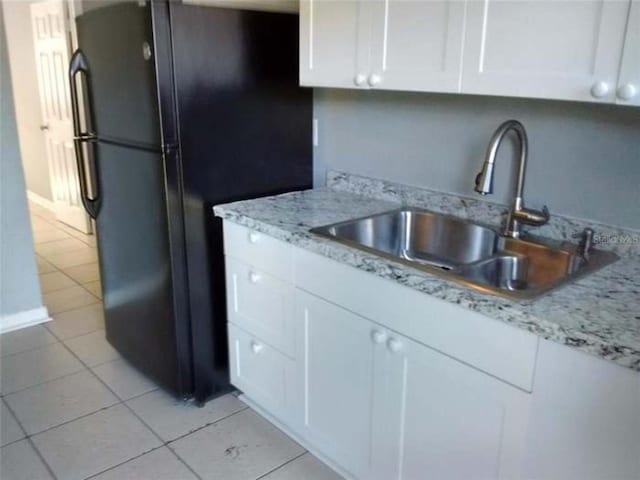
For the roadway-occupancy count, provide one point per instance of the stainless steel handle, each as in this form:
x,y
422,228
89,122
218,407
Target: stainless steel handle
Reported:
x,y
79,65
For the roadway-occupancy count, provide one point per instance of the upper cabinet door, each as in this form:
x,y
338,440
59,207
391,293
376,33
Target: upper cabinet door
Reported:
x,y
417,44
567,50
628,92
334,47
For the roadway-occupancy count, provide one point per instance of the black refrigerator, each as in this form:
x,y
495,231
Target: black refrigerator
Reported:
x,y
177,108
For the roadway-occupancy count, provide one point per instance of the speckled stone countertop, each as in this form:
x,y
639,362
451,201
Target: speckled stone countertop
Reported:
x,y
598,314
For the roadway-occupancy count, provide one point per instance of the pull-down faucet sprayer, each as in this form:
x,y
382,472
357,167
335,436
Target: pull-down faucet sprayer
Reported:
x,y
484,181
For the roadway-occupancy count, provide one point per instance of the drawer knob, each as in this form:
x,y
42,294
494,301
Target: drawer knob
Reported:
x,y
394,345
360,79
254,277
254,237
627,91
256,347
599,89
378,336
374,79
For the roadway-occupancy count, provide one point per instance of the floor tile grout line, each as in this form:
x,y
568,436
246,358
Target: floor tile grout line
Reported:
x,y
135,396
66,422
283,464
95,260
94,475
54,222
5,394
42,459
81,248
181,460
27,437
86,305
61,340
39,347
162,442
59,289
15,417
174,440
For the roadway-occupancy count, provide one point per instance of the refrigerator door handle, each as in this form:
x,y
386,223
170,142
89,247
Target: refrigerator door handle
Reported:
x,y
79,65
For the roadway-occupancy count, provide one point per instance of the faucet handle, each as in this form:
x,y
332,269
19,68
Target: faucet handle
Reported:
x,y
586,242
530,216
546,214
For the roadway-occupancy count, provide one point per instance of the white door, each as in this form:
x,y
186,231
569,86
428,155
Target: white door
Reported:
x,y
417,44
562,49
629,83
334,48
336,352
51,42
435,417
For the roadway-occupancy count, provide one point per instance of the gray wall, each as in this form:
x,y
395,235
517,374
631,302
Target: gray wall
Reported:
x,y
584,159
17,16
19,288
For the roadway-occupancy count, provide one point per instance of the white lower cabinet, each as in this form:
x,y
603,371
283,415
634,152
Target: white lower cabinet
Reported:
x,y
435,417
585,418
261,372
385,407
336,372
324,349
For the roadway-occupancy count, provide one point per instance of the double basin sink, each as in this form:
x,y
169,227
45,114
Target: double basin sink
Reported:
x,y
469,253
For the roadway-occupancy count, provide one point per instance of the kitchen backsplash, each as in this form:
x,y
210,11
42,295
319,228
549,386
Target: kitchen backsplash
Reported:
x,y
584,159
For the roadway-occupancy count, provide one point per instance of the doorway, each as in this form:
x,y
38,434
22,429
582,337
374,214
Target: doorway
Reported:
x,y
51,30
39,39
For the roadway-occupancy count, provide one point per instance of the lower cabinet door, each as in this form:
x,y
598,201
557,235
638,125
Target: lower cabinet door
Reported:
x,y
336,353
437,418
265,375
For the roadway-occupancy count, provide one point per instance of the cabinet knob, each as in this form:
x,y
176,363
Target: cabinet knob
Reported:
x,y
394,345
627,91
256,347
374,79
599,89
360,79
254,237
254,277
378,336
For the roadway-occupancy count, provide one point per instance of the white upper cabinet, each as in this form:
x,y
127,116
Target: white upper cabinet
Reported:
x,y
333,43
628,92
416,44
582,50
386,44
568,50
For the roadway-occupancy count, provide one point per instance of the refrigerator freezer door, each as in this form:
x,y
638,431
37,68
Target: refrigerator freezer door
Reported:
x,y
135,265
117,42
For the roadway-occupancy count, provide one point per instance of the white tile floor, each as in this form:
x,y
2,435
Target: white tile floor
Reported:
x,y
71,408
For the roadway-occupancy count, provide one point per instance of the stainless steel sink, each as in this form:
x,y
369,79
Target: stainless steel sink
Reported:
x,y
469,253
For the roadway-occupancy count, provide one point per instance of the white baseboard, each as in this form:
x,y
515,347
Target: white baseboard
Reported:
x,y
40,200
26,318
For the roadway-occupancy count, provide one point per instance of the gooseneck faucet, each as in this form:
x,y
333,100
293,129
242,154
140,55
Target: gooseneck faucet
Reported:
x,y
518,214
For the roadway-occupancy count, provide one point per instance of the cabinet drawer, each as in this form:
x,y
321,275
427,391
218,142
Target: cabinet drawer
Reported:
x,y
261,372
259,250
261,304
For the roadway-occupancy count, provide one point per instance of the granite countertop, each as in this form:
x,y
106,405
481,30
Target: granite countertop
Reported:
x,y
598,314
